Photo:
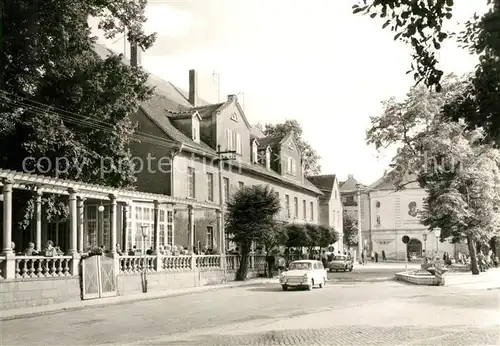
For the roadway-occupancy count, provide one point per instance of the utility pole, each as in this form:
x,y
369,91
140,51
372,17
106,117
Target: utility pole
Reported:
x,y
223,156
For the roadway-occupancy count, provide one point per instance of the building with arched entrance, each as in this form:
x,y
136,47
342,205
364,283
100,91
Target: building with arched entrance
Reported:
x,y
390,215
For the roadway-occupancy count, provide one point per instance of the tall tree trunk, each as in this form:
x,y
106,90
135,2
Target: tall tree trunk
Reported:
x,y
472,252
241,274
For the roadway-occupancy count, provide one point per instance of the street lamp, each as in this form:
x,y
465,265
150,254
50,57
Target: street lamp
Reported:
x,y
437,232
145,233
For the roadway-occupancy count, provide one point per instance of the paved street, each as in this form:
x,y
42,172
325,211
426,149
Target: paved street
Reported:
x,y
358,308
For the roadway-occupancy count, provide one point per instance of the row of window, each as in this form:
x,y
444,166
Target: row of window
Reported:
x,y
191,193
143,216
191,185
296,208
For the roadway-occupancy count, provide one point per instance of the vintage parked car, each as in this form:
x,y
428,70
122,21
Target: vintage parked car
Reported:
x,y
341,262
304,274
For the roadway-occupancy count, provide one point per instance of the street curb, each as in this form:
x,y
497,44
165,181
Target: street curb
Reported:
x,y
99,303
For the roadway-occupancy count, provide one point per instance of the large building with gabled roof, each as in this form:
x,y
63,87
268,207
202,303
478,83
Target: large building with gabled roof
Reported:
x,y
183,135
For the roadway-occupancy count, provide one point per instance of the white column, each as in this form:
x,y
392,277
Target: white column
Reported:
x,y
81,223
125,229
113,222
7,251
38,216
7,217
73,232
73,219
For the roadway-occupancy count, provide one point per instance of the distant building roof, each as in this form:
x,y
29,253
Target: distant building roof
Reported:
x,y
324,183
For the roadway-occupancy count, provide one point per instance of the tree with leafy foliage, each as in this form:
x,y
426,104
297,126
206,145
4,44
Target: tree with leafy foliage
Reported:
x,y
311,157
60,100
308,235
272,239
459,171
350,231
252,212
422,25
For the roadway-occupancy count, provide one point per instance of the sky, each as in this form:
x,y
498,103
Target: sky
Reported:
x,y
309,60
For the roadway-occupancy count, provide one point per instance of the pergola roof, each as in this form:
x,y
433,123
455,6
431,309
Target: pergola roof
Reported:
x,y
62,186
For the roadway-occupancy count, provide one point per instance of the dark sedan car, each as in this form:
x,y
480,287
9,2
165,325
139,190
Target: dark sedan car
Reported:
x,y
341,262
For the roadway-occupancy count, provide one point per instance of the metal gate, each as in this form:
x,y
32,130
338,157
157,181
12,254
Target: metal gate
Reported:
x,y
98,277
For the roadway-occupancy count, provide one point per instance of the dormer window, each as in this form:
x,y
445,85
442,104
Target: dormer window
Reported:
x,y
291,168
255,152
195,128
234,117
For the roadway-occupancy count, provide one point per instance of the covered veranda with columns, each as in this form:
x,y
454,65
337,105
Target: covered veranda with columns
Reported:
x,y
102,216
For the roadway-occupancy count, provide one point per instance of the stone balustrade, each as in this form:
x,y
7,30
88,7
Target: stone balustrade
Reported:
x,y
176,263
232,263
208,261
40,266
137,264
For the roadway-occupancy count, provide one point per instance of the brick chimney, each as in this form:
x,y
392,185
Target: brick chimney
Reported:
x,y
193,88
232,98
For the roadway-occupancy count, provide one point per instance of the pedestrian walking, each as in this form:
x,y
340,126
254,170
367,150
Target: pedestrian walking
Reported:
x,y
383,256
363,255
376,257
281,265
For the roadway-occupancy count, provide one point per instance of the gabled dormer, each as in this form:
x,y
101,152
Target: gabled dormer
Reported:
x,y
233,131
188,123
291,157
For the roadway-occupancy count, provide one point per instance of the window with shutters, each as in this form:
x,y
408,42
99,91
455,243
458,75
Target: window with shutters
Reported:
x,y
230,140
287,206
291,166
239,145
191,182
210,187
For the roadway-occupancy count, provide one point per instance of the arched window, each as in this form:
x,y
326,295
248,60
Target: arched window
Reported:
x,y
377,204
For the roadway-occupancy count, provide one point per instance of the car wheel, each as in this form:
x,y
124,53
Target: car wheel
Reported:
x,y
323,284
310,286
350,269
285,287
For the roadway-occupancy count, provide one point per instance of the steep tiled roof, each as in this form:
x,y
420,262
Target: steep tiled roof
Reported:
x,y
206,111
168,101
256,132
324,183
271,140
350,185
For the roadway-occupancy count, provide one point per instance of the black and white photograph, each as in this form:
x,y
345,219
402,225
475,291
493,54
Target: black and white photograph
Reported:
x,y
250,172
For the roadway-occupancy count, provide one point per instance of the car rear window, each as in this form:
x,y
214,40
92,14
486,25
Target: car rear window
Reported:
x,y
300,266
